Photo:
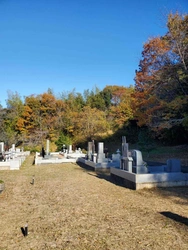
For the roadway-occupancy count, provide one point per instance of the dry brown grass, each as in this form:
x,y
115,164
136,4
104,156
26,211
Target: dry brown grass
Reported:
x,y
69,207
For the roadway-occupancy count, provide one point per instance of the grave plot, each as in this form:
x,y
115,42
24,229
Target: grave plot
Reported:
x,y
13,158
132,171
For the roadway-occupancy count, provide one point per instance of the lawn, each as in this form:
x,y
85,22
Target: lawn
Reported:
x,y
69,207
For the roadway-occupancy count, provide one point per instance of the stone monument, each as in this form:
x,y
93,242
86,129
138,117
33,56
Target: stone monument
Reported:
x,y
126,160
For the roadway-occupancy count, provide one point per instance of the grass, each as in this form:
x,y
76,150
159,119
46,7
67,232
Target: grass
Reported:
x,y
70,207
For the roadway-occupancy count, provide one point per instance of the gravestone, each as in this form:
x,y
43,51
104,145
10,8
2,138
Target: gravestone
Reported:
x,y
125,147
13,148
93,147
89,150
94,155
173,165
126,160
69,149
137,157
1,151
47,147
100,154
2,147
139,166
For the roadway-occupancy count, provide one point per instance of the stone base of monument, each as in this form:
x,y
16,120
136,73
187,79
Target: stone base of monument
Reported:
x,y
149,180
140,170
13,164
102,167
57,157
98,167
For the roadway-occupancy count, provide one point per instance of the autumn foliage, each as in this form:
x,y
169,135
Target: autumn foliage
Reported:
x,y
158,102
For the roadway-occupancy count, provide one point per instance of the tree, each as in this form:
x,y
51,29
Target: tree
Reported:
x,y
161,89
95,99
120,111
13,112
90,124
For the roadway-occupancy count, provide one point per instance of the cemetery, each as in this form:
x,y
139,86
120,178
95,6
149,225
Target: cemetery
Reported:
x,y
125,166
65,156
54,204
130,169
13,158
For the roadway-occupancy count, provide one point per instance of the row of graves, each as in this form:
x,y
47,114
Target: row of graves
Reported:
x,y
128,168
64,156
13,158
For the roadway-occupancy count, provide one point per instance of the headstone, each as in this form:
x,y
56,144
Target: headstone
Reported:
x,y
93,147
139,166
173,165
94,155
137,157
13,147
125,147
2,147
47,147
69,149
100,154
89,150
126,160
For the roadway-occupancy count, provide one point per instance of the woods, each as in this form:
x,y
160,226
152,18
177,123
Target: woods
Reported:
x,y
157,103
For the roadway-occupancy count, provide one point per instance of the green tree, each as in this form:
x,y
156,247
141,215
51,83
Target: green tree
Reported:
x,y
14,109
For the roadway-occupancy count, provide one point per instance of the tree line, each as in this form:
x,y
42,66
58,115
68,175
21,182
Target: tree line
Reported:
x,y
156,104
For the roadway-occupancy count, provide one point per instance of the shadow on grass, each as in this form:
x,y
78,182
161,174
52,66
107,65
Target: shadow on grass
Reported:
x,y
180,192
85,167
175,217
102,175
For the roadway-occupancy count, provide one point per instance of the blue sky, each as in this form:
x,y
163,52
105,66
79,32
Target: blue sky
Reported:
x,y
75,44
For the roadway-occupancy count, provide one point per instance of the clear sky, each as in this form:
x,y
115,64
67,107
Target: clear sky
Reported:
x,y
75,44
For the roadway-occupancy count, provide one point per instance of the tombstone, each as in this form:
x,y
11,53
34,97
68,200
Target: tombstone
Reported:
x,y
173,165
139,166
69,149
93,147
89,151
47,147
126,160
137,157
2,151
13,148
100,154
94,155
2,147
125,147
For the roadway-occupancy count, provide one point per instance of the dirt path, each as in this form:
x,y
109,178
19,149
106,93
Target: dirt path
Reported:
x,y
69,207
